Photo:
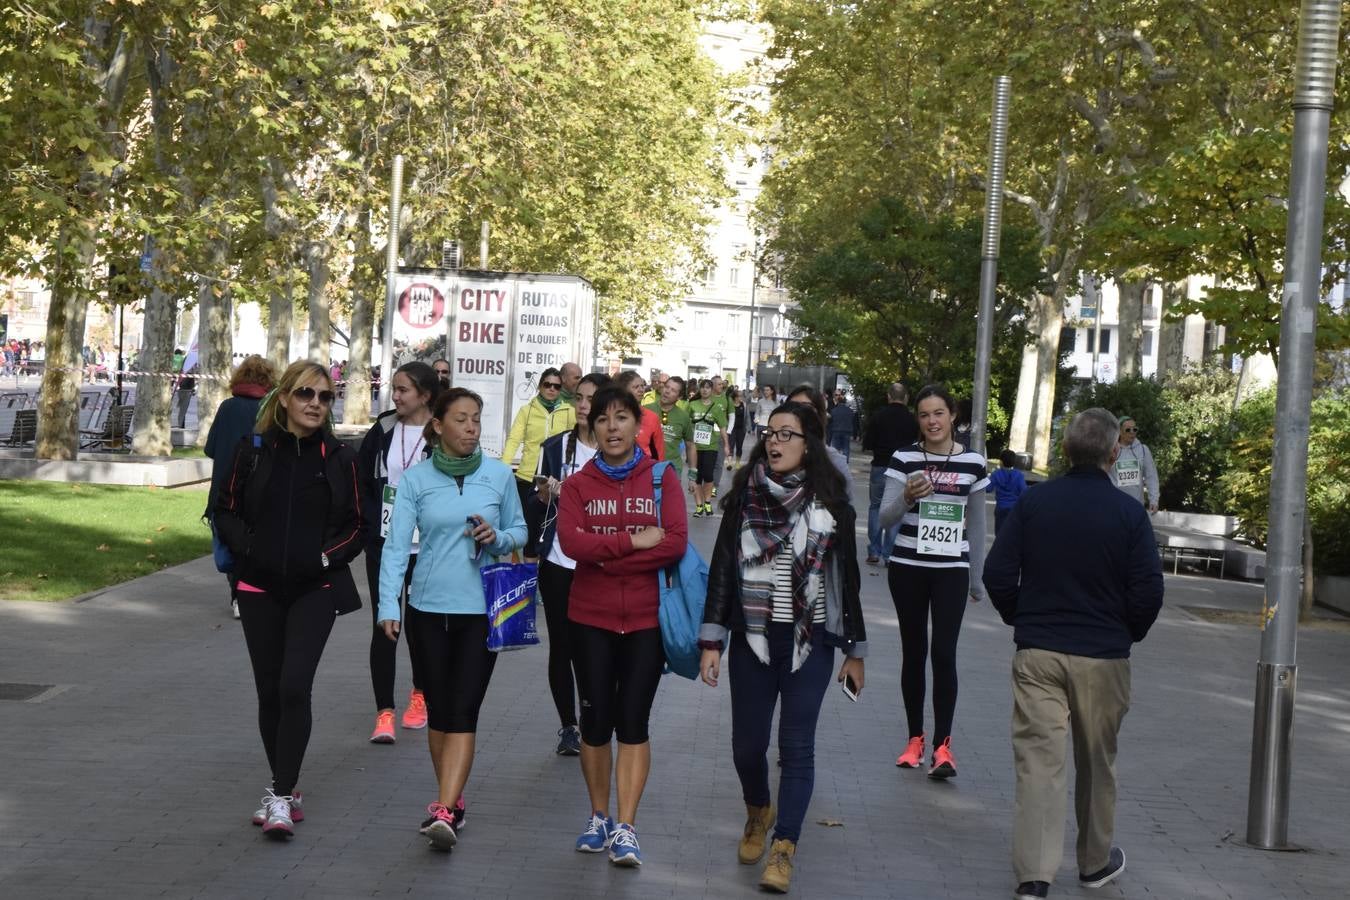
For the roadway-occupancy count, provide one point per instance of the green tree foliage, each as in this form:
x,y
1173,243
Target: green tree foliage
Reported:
x,y
1244,487
252,142
895,295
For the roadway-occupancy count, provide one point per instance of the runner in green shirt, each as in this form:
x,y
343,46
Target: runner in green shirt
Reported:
x,y
710,435
676,425
721,397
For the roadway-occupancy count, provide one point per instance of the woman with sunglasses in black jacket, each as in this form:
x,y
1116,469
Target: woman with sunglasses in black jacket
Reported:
x,y
291,515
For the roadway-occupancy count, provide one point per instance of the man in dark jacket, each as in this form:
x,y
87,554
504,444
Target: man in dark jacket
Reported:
x,y
1075,571
888,429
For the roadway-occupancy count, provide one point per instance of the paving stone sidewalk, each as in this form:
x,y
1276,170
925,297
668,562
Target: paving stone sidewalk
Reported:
x,y
136,777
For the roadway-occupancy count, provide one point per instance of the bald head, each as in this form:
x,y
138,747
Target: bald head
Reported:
x,y
571,375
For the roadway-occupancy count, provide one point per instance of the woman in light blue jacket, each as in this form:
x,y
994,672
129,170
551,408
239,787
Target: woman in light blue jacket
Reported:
x,y
465,510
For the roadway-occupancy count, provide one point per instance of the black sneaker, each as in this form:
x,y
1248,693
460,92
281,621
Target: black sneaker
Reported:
x,y
569,741
1115,864
1032,890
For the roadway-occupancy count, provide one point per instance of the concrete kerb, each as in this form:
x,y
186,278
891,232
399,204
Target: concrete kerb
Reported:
x,y
106,468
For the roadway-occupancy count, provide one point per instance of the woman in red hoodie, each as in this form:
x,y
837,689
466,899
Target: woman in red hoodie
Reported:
x,y
608,522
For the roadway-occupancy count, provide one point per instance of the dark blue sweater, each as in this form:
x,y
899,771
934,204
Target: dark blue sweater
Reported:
x,y
1075,568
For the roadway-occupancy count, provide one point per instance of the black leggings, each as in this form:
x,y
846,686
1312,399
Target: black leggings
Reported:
x,y
533,511
285,636
455,665
617,677
555,583
916,590
384,652
707,466
737,444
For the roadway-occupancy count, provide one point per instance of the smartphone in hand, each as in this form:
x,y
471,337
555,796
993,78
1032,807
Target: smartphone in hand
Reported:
x,y
476,552
849,688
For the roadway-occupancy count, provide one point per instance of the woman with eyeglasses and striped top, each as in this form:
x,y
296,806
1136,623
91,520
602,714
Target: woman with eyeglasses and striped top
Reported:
x,y
290,514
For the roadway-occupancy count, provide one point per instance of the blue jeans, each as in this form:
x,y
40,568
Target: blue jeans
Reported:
x,y
755,690
879,541
841,442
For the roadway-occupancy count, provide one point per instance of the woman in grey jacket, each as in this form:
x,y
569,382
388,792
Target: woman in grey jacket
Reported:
x,y
1134,471
784,583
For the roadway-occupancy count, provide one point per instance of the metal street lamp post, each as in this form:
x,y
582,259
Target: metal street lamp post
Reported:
x,y
1276,673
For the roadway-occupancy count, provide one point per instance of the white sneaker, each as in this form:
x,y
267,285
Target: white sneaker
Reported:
x,y
278,823
234,608
297,809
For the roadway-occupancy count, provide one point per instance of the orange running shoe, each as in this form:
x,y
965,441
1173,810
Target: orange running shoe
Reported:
x,y
944,764
415,716
384,728
912,758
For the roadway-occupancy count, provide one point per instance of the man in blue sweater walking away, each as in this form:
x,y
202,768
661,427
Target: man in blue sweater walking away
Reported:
x,y
1075,571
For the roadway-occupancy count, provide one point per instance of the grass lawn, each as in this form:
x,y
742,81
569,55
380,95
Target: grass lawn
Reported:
x,y
61,540
189,452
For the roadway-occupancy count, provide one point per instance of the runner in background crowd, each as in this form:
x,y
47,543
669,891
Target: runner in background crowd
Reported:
x,y
934,567
843,426
1009,484
677,429
466,511
608,522
784,580
291,515
1134,471
816,400
710,435
888,429
738,427
442,367
544,416
563,455
721,397
650,437
392,446
764,407
233,420
570,373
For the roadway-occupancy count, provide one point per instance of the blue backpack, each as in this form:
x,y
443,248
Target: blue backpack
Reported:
x,y
684,589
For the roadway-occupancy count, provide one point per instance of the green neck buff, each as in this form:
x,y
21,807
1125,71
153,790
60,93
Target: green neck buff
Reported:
x,y
549,405
456,466
567,397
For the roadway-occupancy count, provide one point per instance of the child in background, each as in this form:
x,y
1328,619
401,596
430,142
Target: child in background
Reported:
x,y
1009,484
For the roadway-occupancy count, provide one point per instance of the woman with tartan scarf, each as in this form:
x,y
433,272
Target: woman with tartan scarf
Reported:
x,y
784,583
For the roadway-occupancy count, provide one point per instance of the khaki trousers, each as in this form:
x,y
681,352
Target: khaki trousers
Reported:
x,y
1052,693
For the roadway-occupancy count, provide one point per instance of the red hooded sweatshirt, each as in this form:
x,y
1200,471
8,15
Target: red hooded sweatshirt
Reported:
x,y
616,587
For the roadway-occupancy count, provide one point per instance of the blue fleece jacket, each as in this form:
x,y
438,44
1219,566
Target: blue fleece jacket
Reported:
x,y
446,579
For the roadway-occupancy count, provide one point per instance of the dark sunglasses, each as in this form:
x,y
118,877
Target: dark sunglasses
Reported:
x,y
1131,430
552,385
307,394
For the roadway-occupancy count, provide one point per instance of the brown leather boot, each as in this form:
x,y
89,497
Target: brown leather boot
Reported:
x,y
758,819
778,870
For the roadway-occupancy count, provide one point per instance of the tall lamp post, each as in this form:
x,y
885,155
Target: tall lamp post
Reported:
x,y
1277,670
750,339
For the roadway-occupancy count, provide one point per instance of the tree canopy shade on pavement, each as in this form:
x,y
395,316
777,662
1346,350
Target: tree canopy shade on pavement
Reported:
x,y
252,143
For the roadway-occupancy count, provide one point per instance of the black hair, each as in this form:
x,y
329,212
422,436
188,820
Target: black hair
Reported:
x,y
1008,458
825,480
444,400
613,395
599,379
682,382
816,401
543,376
424,379
939,391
